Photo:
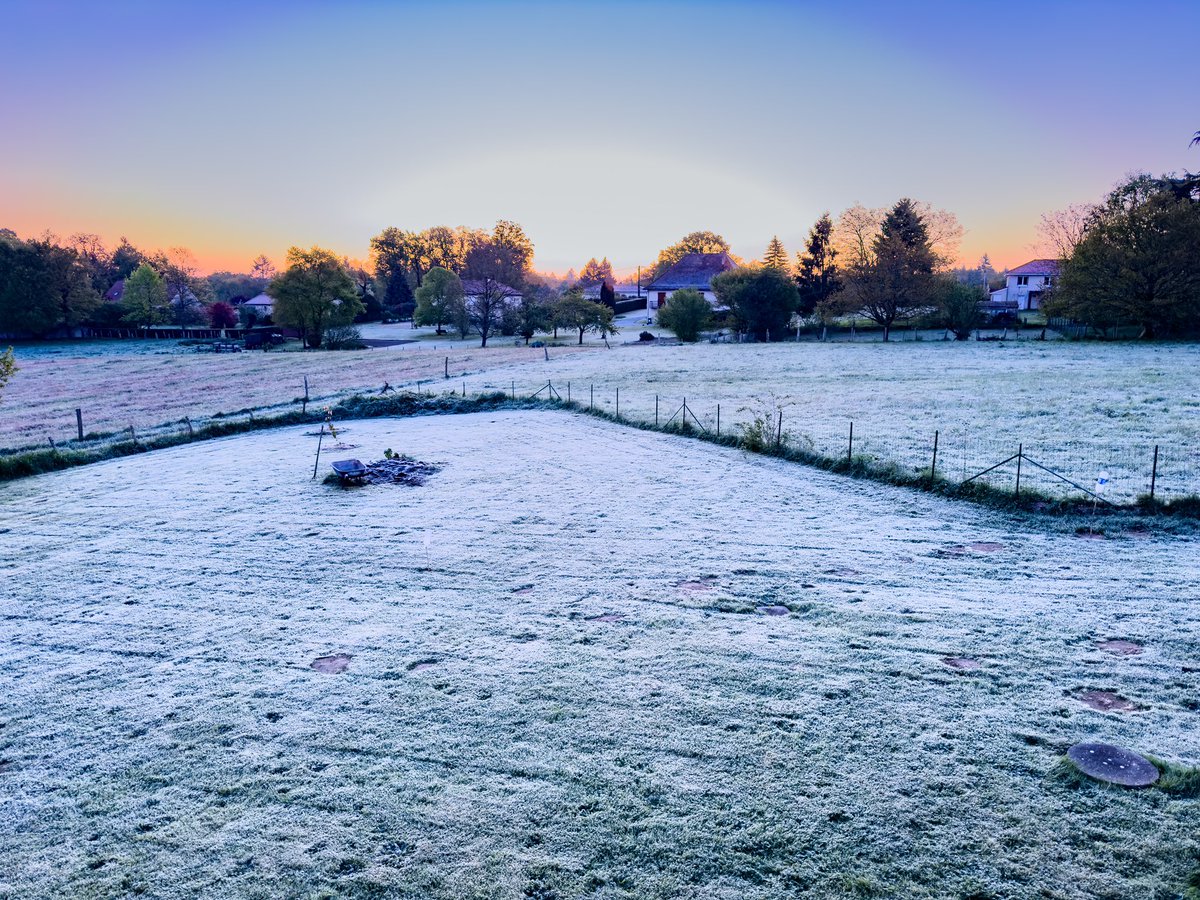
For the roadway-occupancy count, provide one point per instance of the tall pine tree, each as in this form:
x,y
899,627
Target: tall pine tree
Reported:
x,y
818,277
776,257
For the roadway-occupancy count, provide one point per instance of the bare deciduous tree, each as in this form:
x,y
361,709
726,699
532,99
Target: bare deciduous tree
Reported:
x,y
1060,232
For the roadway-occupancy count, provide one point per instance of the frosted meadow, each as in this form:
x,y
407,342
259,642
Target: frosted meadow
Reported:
x,y
757,681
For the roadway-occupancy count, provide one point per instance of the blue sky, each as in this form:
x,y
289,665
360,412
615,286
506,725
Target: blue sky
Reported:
x,y
604,128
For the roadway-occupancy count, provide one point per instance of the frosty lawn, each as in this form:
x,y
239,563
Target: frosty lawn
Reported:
x,y
1080,408
627,665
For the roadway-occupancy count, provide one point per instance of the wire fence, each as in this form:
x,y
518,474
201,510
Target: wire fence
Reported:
x,y
1116,470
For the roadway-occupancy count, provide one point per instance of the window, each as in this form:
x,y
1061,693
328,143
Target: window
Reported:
x,y
1049,279
1022,279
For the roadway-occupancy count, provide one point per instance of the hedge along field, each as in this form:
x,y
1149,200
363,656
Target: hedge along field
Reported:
x,y
683,672
148,383
1079,408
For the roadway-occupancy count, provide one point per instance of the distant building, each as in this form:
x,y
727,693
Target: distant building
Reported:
x,y
262,305
1026,285
695,272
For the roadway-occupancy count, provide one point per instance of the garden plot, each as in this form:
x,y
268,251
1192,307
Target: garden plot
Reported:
x,y
577,661
1078,408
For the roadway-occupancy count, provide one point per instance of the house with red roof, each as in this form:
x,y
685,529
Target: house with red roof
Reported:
x,y
1026,285
695,271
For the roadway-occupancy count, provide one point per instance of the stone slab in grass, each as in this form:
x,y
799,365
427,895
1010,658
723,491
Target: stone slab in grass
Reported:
x,y
1115,765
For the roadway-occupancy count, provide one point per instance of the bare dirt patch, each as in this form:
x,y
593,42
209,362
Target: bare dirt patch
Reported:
x,y
962,663
1103,701
332,665
1120,647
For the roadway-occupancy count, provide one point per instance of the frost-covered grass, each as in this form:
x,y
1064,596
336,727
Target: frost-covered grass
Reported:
x,y
1079,408
146,389
161,730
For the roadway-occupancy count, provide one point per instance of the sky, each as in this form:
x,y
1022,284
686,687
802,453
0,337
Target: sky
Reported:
x,y
605,129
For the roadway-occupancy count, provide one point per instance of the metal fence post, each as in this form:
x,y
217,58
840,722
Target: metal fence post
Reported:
x,y
1020,455
850,449
779,431
618,403
718,420
656,410
1154,473
933,466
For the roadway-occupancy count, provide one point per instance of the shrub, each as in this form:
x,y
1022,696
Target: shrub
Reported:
x,y
343,337
687,313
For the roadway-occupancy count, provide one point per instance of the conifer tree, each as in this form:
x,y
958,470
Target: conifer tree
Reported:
x,y
776,257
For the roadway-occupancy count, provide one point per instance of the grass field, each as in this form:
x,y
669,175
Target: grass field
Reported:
x,y
585,662
1079,408
147,383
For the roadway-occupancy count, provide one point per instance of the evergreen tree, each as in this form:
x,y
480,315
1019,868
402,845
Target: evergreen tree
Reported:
x,y
596,272
897,280
398,296
776,257
818,278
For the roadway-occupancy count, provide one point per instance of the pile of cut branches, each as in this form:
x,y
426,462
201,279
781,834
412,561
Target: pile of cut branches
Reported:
x,y
398,470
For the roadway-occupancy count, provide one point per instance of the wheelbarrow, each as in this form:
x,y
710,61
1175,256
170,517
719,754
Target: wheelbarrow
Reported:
x,y
349,470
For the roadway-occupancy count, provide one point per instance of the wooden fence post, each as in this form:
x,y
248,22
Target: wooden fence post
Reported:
x,y
850,449
79,421
1020,455
779,431
188,421
718,420
933,466
618,403
1154,473
446,367
656,410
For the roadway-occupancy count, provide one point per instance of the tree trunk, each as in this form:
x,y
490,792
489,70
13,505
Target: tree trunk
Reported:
x,y
886,332
581,337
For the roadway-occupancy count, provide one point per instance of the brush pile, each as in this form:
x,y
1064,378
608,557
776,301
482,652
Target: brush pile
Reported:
x,y
398,470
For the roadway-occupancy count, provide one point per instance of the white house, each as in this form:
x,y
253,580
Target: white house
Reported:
x,y
1026,284
695,272
261,305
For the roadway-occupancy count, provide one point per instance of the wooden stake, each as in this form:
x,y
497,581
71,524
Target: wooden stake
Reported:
x,y
79,421
1154,473
316,462
933,467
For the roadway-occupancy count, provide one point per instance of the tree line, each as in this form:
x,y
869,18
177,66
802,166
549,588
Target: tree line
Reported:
x,y
50,285
887,265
